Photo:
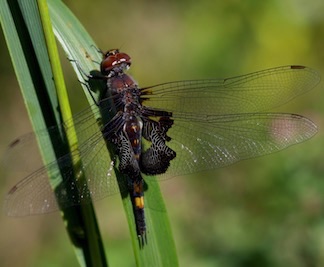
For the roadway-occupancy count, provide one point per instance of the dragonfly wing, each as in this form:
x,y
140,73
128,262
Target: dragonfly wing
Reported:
x,y
218,141
258,91
97,165
34,194
86,126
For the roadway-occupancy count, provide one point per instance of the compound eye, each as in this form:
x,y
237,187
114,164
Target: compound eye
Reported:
x,y
123,57
113,58
107,64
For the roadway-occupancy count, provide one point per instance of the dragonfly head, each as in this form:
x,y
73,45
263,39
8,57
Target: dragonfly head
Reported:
x,y
114,61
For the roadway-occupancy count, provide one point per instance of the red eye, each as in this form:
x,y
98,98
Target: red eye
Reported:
x,y
113,58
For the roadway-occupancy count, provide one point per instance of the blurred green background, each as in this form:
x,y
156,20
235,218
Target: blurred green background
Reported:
x,y
261,212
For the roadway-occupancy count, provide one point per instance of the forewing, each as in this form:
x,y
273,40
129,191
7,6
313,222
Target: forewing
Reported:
x,y
258,91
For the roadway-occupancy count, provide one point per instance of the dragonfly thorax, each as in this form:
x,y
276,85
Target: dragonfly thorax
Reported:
x,y
120,83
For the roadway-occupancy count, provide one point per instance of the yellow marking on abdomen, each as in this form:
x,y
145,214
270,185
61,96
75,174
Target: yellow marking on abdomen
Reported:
x,y
139,202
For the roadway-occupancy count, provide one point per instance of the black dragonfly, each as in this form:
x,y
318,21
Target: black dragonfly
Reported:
x,y
168,129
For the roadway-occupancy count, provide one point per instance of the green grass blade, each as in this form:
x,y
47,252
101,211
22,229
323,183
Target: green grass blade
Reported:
x,y
24,34
93,253
78,45
22,53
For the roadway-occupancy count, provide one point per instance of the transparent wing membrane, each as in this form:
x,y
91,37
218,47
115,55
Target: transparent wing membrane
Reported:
x,y
255,92
223,140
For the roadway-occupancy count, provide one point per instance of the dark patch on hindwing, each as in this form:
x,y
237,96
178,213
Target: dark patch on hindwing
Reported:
x,y
156,159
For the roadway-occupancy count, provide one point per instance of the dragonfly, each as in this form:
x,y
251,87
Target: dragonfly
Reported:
x,y
166,130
